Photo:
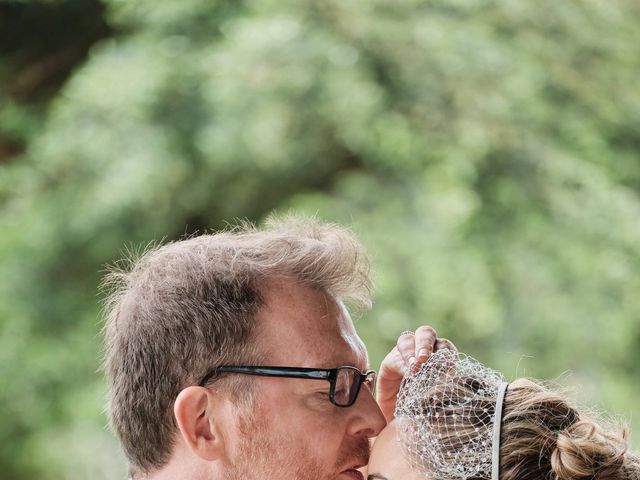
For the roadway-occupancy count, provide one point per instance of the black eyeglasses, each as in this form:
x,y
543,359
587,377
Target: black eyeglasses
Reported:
x,y
345,381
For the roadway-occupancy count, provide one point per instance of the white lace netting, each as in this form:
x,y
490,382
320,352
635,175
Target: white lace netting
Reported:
x,y
445,415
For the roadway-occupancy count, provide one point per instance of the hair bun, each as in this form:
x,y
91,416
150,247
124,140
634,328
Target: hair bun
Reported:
x,y
584,450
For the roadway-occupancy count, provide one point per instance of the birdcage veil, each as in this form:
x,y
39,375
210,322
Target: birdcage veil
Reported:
x,y
448,414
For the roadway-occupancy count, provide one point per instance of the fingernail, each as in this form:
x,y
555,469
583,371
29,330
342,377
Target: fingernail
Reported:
x,y
423,352
412,361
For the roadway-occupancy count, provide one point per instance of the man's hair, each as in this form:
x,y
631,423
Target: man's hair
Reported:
x,y
183,308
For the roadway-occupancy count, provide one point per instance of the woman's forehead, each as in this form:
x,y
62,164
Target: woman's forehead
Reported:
x,y
387,460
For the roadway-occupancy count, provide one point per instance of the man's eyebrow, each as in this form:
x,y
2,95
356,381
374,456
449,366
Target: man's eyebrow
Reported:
x,y
374,476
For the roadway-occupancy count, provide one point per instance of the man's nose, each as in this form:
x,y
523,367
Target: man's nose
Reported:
x,y
368,419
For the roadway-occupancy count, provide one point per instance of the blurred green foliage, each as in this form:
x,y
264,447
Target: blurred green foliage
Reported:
x,y
485,151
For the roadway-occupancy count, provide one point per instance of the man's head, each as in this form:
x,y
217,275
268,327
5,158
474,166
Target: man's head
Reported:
x,y
244,297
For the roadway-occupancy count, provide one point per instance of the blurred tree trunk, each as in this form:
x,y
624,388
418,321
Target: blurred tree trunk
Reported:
x,y
41,43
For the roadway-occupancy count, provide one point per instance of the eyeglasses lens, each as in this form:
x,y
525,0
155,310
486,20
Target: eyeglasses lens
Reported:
x,y
347,386
370,382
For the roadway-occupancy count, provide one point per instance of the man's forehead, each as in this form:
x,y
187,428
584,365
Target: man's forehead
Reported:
x,y
301,324
350,336
333,351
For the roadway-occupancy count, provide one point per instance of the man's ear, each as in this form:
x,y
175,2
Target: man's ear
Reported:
x,y
200,414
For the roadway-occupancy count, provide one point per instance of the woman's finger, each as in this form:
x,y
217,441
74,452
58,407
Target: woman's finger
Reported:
x,y
407,348
425,341
445,343
390,377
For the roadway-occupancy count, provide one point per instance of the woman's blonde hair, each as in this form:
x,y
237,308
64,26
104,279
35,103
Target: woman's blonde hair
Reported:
x,y
544,437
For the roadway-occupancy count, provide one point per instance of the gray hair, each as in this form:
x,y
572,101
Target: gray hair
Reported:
x,y
180,309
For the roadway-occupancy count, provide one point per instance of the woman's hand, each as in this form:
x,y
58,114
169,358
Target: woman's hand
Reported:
x,y
411,351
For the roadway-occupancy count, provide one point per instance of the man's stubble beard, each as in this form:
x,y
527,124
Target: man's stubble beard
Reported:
x,y
261,455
